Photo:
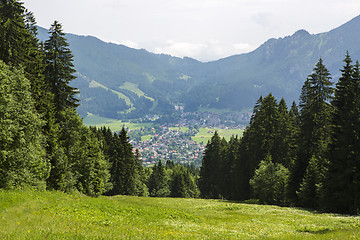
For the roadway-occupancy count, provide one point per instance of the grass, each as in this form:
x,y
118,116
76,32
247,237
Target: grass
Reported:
x,y
94,84
113,124
55,215
124,97
132,87
146,137
180,129
205,134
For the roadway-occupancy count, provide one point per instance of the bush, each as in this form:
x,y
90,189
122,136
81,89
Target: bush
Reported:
x,y
269,182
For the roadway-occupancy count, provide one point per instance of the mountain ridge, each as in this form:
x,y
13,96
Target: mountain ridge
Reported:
x,y
234,83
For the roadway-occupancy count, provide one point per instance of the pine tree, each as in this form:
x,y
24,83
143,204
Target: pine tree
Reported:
x,y
308,188
126,170
182,184
60,69
228,168
14,36
259,140
19,46
90,166
342,185
159,182
315,112
282,152
140,177
294,121
128,165
210,182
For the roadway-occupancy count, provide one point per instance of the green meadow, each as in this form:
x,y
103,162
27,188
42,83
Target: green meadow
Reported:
x,y
205,134
113,124
56,215
202,136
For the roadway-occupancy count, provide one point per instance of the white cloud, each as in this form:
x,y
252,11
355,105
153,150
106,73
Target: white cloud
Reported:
x,y
209,51
243,47
128,43
202,29
198,4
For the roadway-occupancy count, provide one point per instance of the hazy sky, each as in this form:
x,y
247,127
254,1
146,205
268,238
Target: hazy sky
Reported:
x,y
202,29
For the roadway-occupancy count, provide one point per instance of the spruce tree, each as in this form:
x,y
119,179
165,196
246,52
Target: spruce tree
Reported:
x,y
308,187
294,121
342,184
14,36
91,167
60,69
228,168
182,183
282,152
259,140
19,46
140,177
158,182
210,171
128,165
315,112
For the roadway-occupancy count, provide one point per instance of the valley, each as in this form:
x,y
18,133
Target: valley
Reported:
x,y
180,138
120,82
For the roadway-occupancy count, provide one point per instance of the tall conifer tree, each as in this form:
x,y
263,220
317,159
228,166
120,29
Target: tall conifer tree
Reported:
x,y
315,112
60,69
342,185
14,35
209,182
257,142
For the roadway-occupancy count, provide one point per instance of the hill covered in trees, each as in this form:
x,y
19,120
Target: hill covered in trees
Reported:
x,y
139,82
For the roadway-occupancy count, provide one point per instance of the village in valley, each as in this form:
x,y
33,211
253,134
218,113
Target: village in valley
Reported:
x,y
183,141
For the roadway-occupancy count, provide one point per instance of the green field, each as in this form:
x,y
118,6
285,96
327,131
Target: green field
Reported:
x,y
115,125
204,134
55,215
182,129
94,84
132,87
146,138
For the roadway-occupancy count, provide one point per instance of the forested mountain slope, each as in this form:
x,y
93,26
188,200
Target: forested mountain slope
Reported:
x,y
115,80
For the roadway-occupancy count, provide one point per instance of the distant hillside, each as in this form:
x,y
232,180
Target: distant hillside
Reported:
x,y
115,80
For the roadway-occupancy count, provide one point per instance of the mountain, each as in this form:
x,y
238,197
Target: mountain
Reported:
x,y
117,81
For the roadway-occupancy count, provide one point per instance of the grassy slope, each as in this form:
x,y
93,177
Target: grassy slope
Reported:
x,y
55,215
205,134
135,89
113,124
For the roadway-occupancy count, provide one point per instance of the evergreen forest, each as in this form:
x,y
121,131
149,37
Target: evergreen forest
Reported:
x,y
43,142
308,155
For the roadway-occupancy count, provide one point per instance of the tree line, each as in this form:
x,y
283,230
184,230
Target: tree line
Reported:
x,y
308,155
43,142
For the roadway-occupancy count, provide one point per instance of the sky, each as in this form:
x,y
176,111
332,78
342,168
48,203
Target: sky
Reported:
x,y
205,30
